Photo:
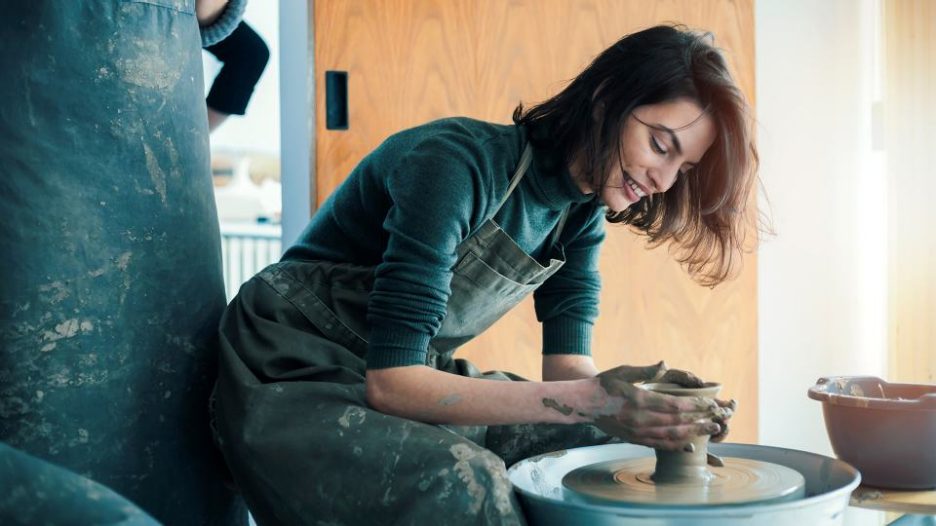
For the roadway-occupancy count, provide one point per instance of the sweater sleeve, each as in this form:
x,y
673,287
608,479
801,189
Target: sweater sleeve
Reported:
x,y
437,190
225,24
244,55
567,303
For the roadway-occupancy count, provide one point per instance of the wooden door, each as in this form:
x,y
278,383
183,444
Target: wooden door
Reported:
x,y
411,61
910,119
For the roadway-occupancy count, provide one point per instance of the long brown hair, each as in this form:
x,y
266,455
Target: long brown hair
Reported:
x,y
704,214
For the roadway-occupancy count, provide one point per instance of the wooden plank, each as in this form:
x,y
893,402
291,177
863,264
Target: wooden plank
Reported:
x,y
910,119
916,502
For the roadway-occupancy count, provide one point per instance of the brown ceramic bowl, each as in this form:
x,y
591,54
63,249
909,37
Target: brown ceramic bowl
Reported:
x,y
887,431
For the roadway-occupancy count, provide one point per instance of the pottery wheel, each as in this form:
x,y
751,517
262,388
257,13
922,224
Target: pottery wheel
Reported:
x,y
741,481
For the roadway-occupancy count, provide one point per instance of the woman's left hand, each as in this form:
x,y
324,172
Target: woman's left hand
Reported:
x,y
687,379
730,406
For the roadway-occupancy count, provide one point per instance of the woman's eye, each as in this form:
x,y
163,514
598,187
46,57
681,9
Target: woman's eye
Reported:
x,y
656,146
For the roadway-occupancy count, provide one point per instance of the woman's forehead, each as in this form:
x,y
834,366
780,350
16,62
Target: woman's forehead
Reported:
x,y
677,115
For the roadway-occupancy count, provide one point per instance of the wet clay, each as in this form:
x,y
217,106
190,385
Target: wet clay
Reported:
x,y
690,464
687,476
552,404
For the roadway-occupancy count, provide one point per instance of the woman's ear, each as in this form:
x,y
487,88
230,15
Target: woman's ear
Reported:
x,y
598,105
598,111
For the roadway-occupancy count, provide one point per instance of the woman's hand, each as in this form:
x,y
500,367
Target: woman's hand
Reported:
x,y
654,419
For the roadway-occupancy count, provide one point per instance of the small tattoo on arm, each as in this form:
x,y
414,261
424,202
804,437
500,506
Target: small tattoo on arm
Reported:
x,y
451,399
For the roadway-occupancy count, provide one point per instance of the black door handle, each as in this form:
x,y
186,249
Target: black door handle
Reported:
x,y
336,100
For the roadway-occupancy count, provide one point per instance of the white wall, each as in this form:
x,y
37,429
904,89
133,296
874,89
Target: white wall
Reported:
x,y
298,115
822,302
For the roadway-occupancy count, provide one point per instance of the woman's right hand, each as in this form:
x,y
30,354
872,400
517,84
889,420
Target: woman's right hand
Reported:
x,y
653,419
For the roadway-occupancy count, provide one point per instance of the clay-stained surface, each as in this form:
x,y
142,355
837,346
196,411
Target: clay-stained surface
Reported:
x,y
916,502
740,481
111,287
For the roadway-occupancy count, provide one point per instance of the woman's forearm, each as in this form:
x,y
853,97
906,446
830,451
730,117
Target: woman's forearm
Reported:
x,y
557,367
425,394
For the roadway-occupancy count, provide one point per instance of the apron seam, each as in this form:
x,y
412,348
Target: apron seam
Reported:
x,y
349,338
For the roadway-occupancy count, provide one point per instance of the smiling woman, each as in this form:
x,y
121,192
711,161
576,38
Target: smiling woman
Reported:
x,y
341,356
684,96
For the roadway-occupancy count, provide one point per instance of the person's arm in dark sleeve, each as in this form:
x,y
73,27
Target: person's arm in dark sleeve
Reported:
x,y
244,56
218,18
567,303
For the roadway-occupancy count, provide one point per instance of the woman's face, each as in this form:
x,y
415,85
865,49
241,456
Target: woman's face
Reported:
x,y
659,142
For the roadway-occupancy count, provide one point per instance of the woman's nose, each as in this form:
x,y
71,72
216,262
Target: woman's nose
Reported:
x,y
663,177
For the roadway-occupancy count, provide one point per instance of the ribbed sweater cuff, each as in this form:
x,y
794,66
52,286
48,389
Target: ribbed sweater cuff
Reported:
x,y
225,24
567,336
396,348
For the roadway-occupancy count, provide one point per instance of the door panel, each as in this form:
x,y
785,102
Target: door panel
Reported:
x,y
910,117
411,61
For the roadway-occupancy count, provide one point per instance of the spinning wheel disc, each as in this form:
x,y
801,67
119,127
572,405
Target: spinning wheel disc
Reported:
x,y
741,481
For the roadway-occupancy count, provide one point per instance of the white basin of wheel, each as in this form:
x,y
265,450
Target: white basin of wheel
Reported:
x,y
538,482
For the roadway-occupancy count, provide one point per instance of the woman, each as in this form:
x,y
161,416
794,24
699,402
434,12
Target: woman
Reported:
x,y
339,400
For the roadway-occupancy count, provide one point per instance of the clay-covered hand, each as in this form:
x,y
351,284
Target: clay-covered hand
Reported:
x,y
652,419
688,379
729,407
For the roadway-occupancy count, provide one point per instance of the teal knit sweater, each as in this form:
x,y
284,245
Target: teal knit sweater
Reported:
x,y
405,208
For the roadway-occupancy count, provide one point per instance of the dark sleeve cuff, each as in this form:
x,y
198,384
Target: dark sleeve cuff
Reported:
x,y
567,336
390,348
225,24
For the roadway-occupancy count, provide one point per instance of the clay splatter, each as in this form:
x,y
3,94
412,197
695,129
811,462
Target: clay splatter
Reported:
x,y
146,66
552,404
352,415
67,329
57,291
463,453
123,260
156,173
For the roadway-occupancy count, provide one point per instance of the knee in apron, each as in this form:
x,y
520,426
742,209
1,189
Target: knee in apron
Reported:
x,y
467,484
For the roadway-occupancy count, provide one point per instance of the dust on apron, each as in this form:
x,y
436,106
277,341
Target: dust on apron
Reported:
x,y
111,289
293,422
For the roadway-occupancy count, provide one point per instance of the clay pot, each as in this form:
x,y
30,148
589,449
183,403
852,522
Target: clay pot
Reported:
x,y
684,467
885,430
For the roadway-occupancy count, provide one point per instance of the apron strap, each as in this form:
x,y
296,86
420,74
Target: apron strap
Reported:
x,y
560,226
525,159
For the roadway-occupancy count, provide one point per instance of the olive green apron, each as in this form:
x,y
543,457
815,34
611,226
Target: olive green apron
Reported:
x,y
292,419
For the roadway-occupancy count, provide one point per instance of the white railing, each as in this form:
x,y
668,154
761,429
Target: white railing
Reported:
x,y
246,248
